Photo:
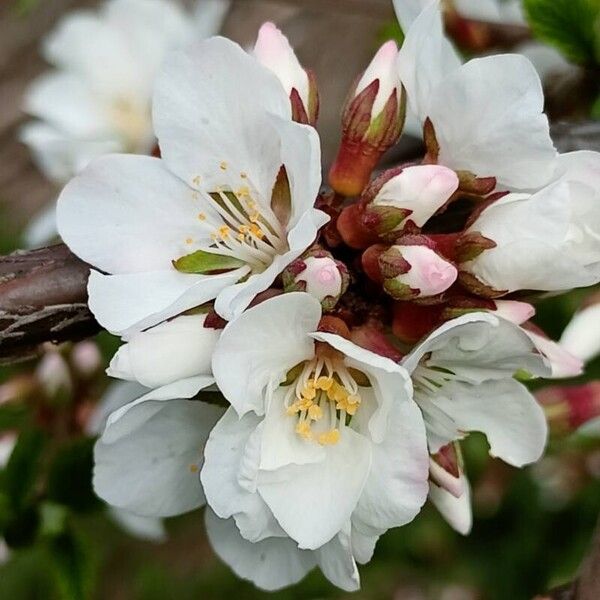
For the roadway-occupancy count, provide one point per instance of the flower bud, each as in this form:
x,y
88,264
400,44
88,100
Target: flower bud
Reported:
x,y
86,359
445,470
319,275
411,271
414,321
405,197
372,122
54,375
273,50
514,311
568,408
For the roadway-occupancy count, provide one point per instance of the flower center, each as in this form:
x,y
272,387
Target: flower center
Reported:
x,y
248,231
133,123
323,398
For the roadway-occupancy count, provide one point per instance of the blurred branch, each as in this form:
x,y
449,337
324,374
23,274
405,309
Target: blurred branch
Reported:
x,y
43,295
43,298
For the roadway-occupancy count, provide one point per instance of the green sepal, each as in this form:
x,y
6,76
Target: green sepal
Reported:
x,y
201,262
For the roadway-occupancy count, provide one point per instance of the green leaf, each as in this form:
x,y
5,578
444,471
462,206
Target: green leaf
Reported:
x,y
72,566
70,476
21,471
572,26
206,262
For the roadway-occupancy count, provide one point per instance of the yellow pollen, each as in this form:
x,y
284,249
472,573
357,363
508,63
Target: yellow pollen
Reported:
x,y
223,165
324,383
224,231
309,392
243,191
329,438
189,241
193,468
303,430
202,216
315,412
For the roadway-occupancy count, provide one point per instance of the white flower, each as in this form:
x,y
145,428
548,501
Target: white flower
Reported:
x,y
509,12
487,114
322,442
549,240
209,201
463,381
98,98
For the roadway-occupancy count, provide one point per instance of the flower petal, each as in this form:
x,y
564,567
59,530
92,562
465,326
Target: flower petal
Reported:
x,y
479,346
128,303
138,474
230,469
457,511
504,411
488,120
313,502
267,340
397,485
582,335
337,563
270,564
209,123
126,214
170,351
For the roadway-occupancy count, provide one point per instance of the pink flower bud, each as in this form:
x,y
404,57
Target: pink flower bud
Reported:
x,y
415,193
319,275
53,374
86,358
273,50
372,122
426,273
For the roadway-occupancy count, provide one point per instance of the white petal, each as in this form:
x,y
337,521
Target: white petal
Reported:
x,y
457,511
479,346
230,469
562,362
398,481
152,471
364,540
582,335
209,16
117,427
266,341
337,562
426,56
313,502
170,351
270,564
408,10
209,122
42,230
234,299
143,528
127,303
390,382
505,411
116,395
66,103
488,120
126,214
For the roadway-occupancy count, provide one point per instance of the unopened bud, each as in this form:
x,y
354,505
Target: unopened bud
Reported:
x,y
54,376
372,338
414,271
445,470
568,408
273,50
413,321
319,275
407,197
372,122
86,359
514,311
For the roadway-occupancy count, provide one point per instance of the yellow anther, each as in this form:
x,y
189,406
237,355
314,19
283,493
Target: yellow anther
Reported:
x,y
193,468
351,409
324,383
202,216
224,231
256,231
303,430
309,392
315,412
189,241
329,438
223,165
243,191
240,237
353,399
254,217
292,409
